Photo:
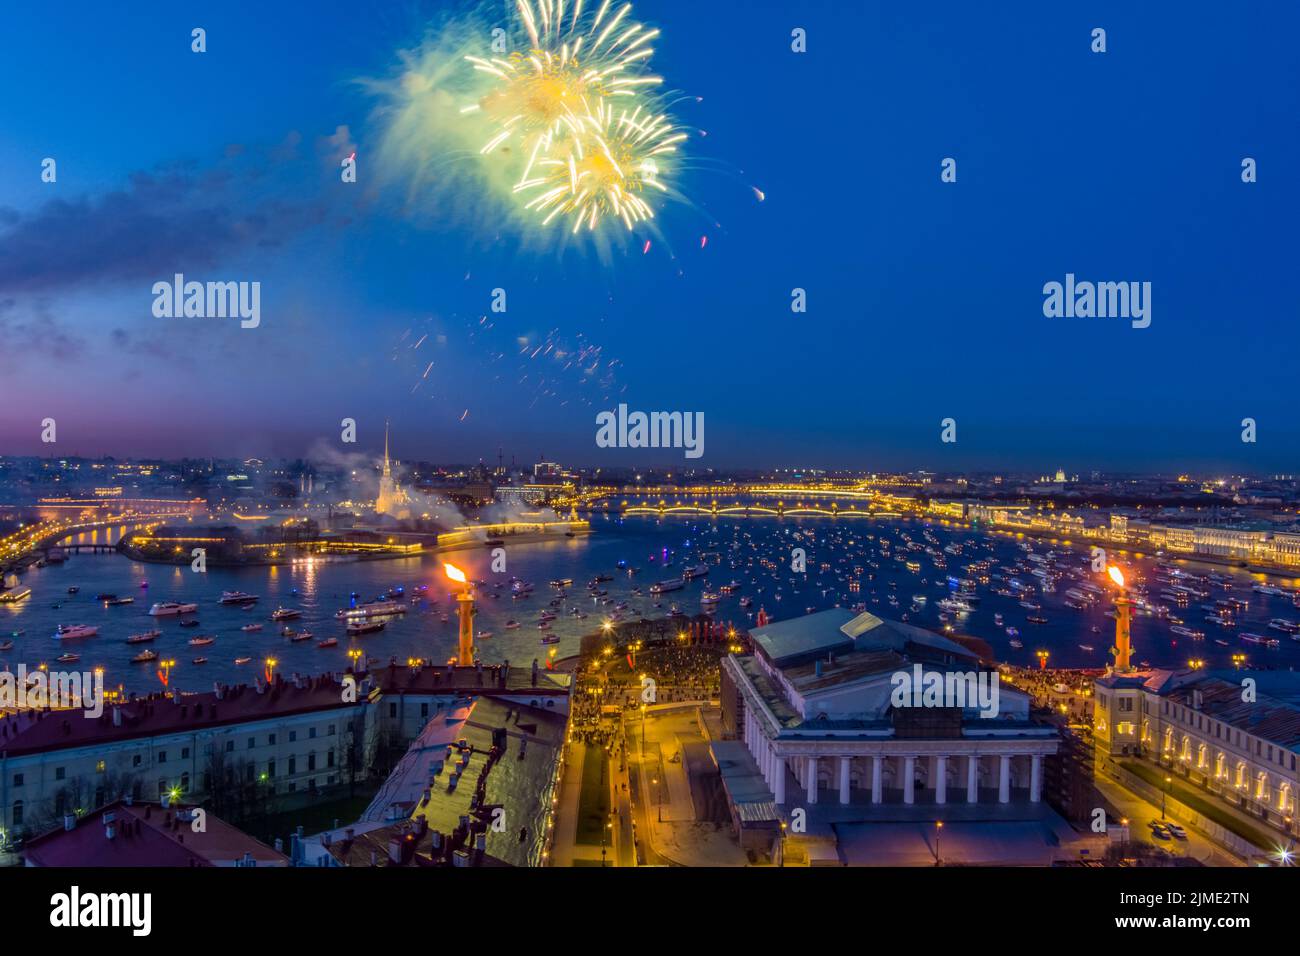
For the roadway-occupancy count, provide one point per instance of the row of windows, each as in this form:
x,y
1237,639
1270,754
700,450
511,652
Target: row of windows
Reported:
x,y
1195,718
60,773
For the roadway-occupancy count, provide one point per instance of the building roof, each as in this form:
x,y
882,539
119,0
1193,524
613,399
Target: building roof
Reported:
x,y
39,731
147,835
506,755
1268,718
481,679
838,631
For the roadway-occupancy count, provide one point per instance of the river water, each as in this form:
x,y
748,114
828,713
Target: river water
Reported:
x,y
754,552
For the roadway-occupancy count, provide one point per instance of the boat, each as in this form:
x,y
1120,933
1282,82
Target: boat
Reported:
x,y
7,646
562,582
68,632
1013,632
251,627
242,660
1188,633
105,596
1260,639
672,584
74,589
169,608
372,609
201,641
1268,589
328,642
200,660
68,658
1282,624
1036,619
1086,647
236,597
189,622
511,625
118,602
301,636
285,614
144,637
14,594
708,597
1016,644
697,571
551,639
358,628
483,635
145,656
746,601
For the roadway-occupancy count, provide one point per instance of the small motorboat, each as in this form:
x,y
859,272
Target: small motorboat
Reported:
x,y
551,639
242,660
144,657
7,646
74,589
483,635
301,636
202,641
328,642
144,637
190,622
200,660
511,625
251,627
68,658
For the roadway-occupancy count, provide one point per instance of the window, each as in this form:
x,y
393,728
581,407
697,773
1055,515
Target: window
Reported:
x,y
185,753
18,780
162,756
270,739
330,732
311,733
270,769
329,758
311,760
18,813
293,736
60,773
293,766
251,743
424,710
230,746
392,709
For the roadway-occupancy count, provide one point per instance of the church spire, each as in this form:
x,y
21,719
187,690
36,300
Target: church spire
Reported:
x,y
387,467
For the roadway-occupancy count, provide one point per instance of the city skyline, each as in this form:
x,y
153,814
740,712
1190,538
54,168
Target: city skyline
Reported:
x,y
925,298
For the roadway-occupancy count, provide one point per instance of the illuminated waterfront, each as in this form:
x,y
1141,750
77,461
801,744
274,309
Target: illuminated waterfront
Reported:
x,y
755,553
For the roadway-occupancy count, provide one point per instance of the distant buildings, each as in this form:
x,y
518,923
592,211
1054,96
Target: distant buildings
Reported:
x,y
393,499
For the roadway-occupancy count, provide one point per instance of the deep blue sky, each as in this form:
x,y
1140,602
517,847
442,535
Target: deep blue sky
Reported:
x,y
924,298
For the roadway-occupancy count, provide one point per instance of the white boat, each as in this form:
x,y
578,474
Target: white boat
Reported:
x,y
144,638
236,597
357,628
373,609
672,584
251,627
285,614
67,632
144,657
698,571
169,608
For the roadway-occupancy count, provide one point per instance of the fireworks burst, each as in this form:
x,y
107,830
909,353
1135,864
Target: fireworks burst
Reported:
x,y
579,105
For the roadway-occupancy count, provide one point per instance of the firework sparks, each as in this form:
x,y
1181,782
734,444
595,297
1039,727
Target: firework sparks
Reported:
x,y
580,108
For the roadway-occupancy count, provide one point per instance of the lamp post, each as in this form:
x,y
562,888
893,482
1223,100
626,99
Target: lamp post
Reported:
x,y
1163,794
938,832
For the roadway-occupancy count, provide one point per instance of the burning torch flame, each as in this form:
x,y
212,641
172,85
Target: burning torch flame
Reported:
x,y
1116,575
455,573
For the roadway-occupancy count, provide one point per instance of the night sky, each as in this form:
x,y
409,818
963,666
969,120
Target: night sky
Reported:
x,y
924,298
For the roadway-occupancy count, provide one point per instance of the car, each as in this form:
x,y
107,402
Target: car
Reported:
x,y
1176,830
1159,830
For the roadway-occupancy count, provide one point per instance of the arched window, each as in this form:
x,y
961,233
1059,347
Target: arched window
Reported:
x,y
1284,798
1261,786
1240,781
1169,740
1186,752
1202,756
1220,766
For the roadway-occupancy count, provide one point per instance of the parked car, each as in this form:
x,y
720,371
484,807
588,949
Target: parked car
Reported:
x,y
1159,830
1176,830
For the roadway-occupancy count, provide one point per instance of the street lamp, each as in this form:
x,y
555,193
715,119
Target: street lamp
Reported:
x,y
938,832
1164,793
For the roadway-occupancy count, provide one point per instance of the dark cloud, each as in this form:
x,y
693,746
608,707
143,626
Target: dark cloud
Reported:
x,y
178,218
37,331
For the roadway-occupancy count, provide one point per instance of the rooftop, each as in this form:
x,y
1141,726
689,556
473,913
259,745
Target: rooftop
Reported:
x,y
126,834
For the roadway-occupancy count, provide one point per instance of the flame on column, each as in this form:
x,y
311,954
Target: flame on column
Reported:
x,y
1116,575
455,573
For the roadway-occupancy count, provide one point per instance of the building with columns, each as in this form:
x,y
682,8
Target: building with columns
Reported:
x,y
816,709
